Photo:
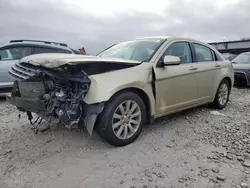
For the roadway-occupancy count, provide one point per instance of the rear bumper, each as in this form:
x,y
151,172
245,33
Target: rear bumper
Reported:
x,y
25,104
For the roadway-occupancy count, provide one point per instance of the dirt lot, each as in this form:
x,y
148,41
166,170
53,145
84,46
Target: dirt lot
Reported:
x,y
197,148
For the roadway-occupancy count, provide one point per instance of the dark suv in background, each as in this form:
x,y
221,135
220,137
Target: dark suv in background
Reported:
x,y
17,49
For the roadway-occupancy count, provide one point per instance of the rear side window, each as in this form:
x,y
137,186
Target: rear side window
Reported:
x,y
3,54
218,58
40,50
15,53
64,51
203,53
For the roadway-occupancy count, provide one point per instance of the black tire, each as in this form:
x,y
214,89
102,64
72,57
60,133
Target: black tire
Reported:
x,y
216,103
104,123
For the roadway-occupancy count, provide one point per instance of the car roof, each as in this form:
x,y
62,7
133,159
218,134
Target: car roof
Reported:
x,y
174,38
170,38
153,37
41,44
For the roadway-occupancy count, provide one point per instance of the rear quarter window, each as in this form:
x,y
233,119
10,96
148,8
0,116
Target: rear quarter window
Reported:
x,y
15,53
218,57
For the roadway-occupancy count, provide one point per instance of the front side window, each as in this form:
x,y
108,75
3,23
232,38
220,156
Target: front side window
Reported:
x,y
242,59
181,50
202,53
139,50
15,53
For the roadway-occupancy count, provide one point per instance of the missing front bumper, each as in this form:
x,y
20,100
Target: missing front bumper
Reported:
x,y
56,99
26,104
87,120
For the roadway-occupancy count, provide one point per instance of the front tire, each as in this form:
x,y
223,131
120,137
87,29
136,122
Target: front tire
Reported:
x,y
122,119
222,95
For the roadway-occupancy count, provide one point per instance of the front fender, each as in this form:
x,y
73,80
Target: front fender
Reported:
x,y
100,91
104,86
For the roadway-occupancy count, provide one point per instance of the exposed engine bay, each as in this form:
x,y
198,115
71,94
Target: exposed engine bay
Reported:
x,y
57,94
54,95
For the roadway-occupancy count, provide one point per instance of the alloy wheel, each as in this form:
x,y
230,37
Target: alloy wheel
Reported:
x,y
126,119
223,94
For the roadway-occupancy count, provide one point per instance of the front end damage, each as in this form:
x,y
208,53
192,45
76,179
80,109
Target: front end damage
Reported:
x,y
55,95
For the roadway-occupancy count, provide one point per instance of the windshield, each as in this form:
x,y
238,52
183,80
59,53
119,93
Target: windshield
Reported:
x,y
139,50
242,59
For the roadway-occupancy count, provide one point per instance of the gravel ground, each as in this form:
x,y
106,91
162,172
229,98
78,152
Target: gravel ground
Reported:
x,y
196,148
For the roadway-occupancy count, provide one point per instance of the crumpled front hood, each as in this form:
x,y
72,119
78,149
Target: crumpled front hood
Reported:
x,y
241,66
54,60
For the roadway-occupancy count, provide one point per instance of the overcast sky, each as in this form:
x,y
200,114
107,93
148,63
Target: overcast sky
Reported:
x,y
96,24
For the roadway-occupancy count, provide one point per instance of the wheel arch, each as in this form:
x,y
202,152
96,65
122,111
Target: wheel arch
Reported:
x,y
228,79
216,103
145,98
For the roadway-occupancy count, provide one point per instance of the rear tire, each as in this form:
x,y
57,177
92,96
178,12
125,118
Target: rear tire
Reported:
x,y
122,119
222,95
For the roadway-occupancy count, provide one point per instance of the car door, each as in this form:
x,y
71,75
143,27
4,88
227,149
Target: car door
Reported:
x,y
207,72
176,87
10,56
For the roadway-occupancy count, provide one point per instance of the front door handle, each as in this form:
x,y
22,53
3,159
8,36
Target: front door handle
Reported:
x,y
192,68
217,65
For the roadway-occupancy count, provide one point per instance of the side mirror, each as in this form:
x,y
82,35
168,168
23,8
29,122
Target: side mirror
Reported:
x,y
171,60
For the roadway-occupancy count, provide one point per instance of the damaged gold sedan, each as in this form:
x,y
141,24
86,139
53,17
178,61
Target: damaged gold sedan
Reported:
x,y
122,88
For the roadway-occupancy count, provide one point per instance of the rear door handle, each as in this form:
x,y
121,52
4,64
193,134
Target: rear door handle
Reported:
x,y
192,68
217,65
